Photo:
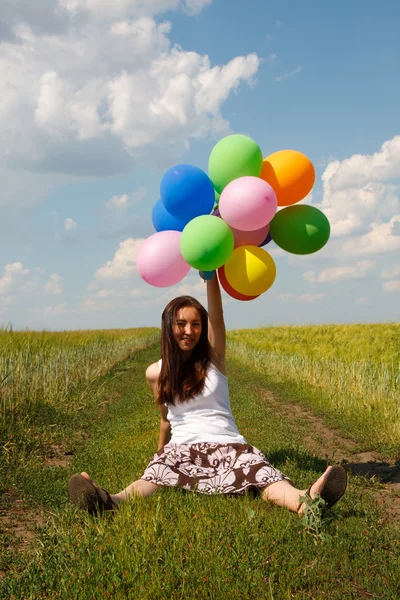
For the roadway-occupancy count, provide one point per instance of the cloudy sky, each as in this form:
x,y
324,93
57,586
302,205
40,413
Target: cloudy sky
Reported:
x,y
99,98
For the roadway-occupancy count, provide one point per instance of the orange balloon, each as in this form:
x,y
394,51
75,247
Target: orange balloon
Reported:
x,y
290,173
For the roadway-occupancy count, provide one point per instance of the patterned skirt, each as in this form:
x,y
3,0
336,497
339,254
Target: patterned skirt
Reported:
x,y
211,468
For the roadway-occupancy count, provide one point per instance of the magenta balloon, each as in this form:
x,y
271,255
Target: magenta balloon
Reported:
x,y
248,203
250,238
159,260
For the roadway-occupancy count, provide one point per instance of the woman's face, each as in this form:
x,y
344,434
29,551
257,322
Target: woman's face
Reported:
x,y
187,327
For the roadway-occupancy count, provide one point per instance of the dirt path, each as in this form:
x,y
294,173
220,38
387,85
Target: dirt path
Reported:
x,y
329,443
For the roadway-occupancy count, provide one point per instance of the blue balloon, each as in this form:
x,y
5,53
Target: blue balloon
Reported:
x,y
164,221
187,192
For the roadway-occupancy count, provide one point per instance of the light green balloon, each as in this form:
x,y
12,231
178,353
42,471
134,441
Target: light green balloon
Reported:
x,y
234,156
207,242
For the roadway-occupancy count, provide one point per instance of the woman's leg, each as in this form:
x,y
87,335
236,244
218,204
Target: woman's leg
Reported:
x,y
332,484
140,487
283,493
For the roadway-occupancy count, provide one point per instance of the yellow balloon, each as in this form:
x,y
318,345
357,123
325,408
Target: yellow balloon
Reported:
x,y
290,173
250,270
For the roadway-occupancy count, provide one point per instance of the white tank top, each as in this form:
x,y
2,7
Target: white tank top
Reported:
x,y
206,417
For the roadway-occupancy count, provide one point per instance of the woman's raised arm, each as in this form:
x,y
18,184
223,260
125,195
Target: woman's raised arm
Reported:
x,y
216,323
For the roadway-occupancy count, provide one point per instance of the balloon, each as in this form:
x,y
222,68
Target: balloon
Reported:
x,y
300,229
216,212
229,289
217,196
268,239
159,259
234,156
248,203
206,242
187,192
250,270
164,221
250,238
290,173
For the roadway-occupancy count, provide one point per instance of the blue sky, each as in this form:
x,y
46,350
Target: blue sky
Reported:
x,y
98,103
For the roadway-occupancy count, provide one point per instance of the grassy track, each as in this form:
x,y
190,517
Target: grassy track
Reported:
x,y
48,383
179,545
348,373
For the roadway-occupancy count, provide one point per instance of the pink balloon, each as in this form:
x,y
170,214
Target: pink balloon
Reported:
x,y
159,259
250,238
248,203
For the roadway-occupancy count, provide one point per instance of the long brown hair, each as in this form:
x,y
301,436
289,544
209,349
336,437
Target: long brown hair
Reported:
x,y
179,380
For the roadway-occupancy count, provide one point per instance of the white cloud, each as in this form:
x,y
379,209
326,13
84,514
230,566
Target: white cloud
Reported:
x,y
48,310
54,310
360,169
103,9
70,224
274,250
91,304
139,293
288,74
384,237
194,289
53,285
14,276
104,94
123,265
306,298
118,205
359,270
392,286
391,272
104,293
357,192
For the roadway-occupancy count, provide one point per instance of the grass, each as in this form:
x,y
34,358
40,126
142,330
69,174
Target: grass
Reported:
x,y
181,545
48,381
349,373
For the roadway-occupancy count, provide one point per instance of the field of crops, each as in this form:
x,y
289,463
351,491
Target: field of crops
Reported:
x,y
47,379
47,367
348,371
83,395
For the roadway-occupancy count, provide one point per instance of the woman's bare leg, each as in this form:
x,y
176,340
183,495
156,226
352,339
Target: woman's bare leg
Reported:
x,y
140,487
283,493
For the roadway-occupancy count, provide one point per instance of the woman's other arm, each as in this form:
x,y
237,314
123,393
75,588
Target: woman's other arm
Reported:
x,y
152,374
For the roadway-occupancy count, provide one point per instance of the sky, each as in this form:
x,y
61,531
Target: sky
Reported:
x,y
98,99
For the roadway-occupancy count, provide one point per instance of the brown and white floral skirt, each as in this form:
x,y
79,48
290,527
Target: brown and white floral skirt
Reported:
x,y
211,468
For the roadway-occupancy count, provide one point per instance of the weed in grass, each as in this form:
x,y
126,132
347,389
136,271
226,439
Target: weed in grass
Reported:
x,y
315,516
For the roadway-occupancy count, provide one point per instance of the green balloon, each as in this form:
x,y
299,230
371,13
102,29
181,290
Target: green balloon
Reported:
x,y
207,242
234,156
300,229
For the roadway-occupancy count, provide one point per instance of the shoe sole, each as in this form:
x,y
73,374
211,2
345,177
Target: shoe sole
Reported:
x,y
84,495
334,485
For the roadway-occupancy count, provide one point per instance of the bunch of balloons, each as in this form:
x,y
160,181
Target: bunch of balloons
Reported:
x,y
222,220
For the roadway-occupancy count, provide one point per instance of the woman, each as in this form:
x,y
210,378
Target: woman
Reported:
x,y
200,447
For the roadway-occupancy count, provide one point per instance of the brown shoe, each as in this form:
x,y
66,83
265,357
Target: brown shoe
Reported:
x,y
85,495
334,486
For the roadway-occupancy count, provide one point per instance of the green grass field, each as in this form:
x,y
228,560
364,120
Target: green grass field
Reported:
x,y
348,373
177,544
